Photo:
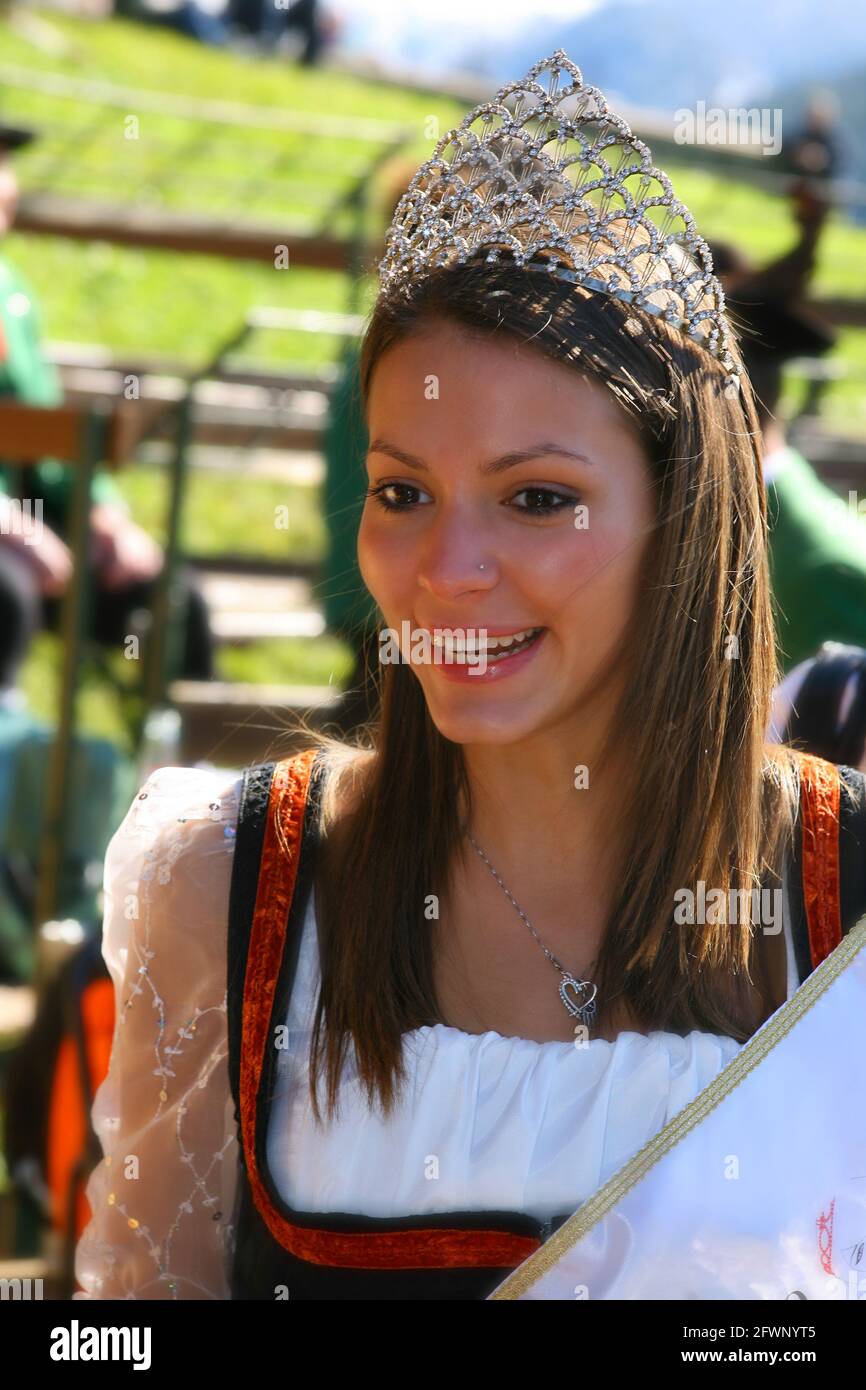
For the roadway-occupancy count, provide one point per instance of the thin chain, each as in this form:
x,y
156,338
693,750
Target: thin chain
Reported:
x,y
569,986
550,956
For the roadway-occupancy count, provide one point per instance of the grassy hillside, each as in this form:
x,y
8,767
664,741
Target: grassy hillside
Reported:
x,y
154,299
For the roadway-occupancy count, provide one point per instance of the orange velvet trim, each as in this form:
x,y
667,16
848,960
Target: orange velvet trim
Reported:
x,y
65,1129
420,1249
819,800
67,1112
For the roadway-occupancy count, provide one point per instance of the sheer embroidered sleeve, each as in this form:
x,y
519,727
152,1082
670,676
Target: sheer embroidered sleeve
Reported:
x,y
162,1196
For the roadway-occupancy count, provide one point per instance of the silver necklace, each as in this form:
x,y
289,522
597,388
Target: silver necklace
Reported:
x,y
570,989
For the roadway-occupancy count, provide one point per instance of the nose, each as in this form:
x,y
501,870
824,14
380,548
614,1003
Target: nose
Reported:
x,y
456,561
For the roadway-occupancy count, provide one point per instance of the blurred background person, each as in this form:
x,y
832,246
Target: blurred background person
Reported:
x,y
817,544
198,19
815,152
35,568
268,21
820,706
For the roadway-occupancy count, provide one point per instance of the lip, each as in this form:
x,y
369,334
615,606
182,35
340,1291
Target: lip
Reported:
x,y
497,670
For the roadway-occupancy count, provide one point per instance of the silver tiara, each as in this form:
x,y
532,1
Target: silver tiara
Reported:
x,y
557,180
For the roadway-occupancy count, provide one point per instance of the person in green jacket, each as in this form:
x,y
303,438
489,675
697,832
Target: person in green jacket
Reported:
x,y
817,556
36,563
817,541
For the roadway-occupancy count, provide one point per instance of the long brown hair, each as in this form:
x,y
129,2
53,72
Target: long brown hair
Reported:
x,y
703,797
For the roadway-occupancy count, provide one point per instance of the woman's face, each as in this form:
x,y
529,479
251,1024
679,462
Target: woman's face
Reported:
x,y
501,457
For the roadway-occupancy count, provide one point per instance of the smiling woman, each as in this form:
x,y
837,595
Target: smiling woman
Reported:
x,y
466,929
503,408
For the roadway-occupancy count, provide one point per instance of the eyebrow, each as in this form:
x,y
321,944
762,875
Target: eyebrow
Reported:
x,y
497,465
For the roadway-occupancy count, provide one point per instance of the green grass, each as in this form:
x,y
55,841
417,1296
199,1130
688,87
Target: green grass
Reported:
x,y
221,518
138,55
290,660
163,303
104,705
146,156
100,705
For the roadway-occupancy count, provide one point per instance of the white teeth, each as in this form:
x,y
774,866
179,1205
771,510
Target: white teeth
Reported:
x,y
518,643
458,647
462,645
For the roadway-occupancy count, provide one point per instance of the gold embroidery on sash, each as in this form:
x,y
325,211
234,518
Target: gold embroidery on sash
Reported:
x,y
753,1052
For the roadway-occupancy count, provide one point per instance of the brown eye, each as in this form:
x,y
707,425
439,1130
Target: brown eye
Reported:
x,y
540,505
379,493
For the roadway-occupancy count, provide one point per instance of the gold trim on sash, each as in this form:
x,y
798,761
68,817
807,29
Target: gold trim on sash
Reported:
x,y
752,1054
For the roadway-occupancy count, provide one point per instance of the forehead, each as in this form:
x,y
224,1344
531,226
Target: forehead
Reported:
x,y
446,377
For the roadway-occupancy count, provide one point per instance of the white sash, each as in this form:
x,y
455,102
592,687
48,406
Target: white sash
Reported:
x,y
756,1189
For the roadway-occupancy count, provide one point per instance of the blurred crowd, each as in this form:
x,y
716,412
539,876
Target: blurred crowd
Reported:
x,y
266,22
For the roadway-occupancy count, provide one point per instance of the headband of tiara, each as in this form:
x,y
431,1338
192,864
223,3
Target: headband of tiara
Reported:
x,y
556,180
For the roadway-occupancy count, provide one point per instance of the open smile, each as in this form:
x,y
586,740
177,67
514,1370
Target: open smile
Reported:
x,y
478,659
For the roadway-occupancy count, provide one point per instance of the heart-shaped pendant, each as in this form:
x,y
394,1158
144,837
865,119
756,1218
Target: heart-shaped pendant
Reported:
x,y
570,991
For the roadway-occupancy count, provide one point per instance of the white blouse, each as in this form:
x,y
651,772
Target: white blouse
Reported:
x,y
485,1123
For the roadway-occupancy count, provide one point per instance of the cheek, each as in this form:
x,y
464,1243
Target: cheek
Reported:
x,y
596,568
384,562
367,552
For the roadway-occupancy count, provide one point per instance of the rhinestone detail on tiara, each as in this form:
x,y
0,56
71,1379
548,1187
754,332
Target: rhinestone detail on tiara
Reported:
x,y
555,179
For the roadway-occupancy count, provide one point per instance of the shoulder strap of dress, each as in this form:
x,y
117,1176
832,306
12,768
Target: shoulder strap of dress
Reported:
x,y
271,818
828,878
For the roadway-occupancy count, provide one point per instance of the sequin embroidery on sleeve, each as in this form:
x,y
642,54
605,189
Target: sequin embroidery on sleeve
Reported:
x,y
162,1198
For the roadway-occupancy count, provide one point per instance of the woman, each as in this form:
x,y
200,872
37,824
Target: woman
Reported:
x,y
508,1008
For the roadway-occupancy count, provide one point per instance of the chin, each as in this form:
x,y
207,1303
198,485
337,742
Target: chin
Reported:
x,y
493,726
